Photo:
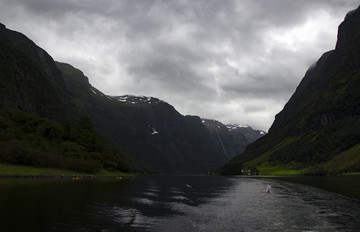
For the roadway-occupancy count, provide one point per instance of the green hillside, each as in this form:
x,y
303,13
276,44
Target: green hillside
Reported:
x,y
318,131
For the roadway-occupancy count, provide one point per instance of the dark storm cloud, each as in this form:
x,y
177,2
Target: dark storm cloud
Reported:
x,y
233,60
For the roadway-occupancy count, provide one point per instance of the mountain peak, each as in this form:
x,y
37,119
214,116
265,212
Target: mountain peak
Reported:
x,y
249,133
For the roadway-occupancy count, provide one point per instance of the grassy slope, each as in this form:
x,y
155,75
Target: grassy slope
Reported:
x,y
338,164
348,158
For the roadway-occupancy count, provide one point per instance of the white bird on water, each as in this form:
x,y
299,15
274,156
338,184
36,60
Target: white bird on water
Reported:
x,y
268,189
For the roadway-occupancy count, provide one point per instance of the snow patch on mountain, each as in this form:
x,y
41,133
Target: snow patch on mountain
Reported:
x,y
236,126
134,100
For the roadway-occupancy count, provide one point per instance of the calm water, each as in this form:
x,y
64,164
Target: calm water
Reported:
x,y
173,203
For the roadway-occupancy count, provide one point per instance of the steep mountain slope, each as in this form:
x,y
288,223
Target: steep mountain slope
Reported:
x,y
28,74
318,131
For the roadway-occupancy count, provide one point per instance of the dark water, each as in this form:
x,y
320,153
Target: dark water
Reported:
x,y
345,185
173,203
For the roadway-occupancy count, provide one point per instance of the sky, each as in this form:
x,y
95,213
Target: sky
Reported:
x,y
236,61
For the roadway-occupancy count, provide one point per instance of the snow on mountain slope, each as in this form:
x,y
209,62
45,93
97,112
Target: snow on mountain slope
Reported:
x,y
133,100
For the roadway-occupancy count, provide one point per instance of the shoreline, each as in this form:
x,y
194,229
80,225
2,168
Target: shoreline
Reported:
x,y
74,177
11,171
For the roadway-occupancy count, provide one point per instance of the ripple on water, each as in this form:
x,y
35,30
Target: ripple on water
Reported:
x,y
179,198
143,200
176,191
152,194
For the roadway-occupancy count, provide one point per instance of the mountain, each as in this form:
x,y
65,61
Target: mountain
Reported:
x,y
46,92
233,138
250,134
318,130
181,144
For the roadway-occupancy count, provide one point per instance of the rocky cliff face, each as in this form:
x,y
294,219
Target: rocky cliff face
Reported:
x,y
321,122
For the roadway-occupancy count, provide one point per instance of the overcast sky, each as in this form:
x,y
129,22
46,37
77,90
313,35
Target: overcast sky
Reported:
x,y
237,61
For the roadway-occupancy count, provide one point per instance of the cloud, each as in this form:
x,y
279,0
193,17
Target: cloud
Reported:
x,y
235,61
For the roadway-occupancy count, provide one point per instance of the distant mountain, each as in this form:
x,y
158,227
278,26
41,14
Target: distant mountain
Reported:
x,y
250,134
318,131
233,138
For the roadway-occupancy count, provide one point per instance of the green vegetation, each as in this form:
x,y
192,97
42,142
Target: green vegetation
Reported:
x,y
270,169
351,174
348,161
268,154
26,139
23,170
11,169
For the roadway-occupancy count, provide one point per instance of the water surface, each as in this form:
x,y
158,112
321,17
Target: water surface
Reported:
x,y
345,185
173,203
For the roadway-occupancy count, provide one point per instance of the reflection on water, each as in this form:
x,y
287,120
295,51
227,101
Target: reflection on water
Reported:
x,y
173,203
